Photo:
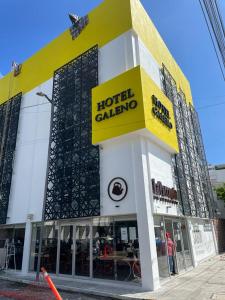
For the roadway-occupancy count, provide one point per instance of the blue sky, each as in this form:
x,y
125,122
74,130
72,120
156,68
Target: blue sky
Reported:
x,y
26,26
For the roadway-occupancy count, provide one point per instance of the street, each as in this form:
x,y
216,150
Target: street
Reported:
x,y
18,291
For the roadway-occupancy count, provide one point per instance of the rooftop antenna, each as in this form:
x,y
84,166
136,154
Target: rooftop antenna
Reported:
x,y
16,68
74,19
78,24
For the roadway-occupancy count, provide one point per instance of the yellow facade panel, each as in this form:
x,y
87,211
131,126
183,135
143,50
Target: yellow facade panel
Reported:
x,y
125,104
147,32
159,116
109,20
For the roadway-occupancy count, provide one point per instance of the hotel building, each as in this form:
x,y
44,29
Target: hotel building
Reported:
x,y
111,159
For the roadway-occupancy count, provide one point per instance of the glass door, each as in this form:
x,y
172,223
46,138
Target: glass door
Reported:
x,y
161,247
179,250
186,245
171,247
74,249
66,250
82,251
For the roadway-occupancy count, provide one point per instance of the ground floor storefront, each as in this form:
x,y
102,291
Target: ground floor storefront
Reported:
x,y
107,248
192,239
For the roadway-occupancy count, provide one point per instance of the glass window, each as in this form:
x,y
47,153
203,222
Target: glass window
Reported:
x,y
66,250
49,247
19,234
82,267
161,247
15,239
103,262
116,250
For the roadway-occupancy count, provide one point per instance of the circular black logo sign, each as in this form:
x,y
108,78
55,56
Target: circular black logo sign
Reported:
x,y
117,189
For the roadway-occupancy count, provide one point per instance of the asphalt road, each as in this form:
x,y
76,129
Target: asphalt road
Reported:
x,y
18,291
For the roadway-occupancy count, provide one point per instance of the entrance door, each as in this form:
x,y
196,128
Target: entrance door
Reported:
x,y
179,253
74,250
176,230
66,249
161,247
186,245
82,256
173,228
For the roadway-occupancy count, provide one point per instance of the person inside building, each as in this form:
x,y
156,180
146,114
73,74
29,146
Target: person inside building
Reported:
x,y
171,252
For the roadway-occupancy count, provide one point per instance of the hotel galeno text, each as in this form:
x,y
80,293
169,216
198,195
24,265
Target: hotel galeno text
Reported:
x,y
125,101
161,112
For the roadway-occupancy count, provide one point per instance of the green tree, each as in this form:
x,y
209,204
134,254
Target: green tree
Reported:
x,y
220,192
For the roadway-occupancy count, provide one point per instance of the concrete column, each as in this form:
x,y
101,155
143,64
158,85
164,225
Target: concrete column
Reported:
x,y
26,247
144,206
191,239
214,237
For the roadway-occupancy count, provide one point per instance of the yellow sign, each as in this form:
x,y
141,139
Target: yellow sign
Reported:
x,y
117,106
130,102
161,123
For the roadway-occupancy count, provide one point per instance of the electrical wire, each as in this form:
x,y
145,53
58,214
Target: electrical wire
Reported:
x,y
210,105
214,22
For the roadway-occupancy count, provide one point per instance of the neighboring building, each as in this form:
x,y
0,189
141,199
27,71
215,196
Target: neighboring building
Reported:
x,y
217,177
126,164
217,174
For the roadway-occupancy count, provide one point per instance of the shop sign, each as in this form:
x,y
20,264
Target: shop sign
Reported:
x,y
161,112
164,193
117,189
125,101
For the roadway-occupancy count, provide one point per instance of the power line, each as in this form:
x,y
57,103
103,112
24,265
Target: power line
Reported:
x,y
215,27
209,97
210,105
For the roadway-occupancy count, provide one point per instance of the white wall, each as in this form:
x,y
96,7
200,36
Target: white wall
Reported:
x,y
202,239
29,171
116,161
160,164
161,170
117,56
149,64
124,53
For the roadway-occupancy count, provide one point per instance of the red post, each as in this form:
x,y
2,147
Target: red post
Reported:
x,y
51,284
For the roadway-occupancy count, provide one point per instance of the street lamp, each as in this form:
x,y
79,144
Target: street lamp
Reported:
x,y
41,94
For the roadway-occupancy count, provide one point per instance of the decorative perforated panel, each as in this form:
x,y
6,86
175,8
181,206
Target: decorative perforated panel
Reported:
x,y
9,118
73,177
190,164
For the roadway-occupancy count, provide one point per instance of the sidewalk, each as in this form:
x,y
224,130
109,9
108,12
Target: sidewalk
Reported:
x,y
207,281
